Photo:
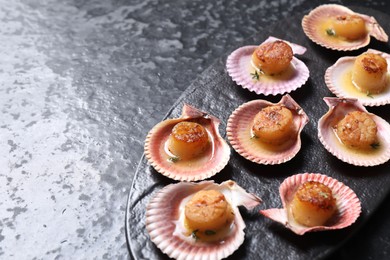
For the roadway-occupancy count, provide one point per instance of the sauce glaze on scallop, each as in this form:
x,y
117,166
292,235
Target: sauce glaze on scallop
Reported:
x,y
240,68
240,135
378,154
210,162
338,79
347,203
166,227
317,25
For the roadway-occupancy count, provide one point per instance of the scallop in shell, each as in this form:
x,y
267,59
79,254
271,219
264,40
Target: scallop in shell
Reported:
x,y
338,79
317,25
347,204
208,163
166,226
338,109
242,71
240,135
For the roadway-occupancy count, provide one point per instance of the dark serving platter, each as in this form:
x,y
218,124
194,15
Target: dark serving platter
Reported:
x,y
215,92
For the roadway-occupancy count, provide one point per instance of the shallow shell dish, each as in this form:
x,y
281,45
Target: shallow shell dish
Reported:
x,y
338,79
347,203
316,24
338,108
241,70
212,161
165,220
240,136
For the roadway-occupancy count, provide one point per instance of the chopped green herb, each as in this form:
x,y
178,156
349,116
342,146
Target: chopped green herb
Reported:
x,y
368,93
173,159
323,194
330,32
193,234
255,75
375,145
210,232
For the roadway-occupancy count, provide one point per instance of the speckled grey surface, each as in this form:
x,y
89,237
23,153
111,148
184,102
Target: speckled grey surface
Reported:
x,y
81,84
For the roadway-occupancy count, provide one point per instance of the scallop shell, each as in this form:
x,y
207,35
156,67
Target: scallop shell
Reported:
x,y
338,78
165,215
338,108
347,203
313,24
239,132
205,166
239,67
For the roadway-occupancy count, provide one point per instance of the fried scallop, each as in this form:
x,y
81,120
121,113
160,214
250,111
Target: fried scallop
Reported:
x,y
352,134
188,220
273,124
265,132
272,57
357,130
339,28
269,68
187,148
315,202
364,77
369,73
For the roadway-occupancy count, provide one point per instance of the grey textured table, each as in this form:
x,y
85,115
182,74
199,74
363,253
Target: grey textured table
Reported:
x,y
82,82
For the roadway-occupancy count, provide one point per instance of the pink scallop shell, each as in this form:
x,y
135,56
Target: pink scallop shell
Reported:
x,y
210,163
311,22
239,132
334,79
338,108
239,67
164,220
347,202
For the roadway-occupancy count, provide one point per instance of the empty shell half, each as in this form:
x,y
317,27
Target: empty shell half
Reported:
x,y
242,70
278,145
187,148
339,28
352,134
339,78
170,224
347,204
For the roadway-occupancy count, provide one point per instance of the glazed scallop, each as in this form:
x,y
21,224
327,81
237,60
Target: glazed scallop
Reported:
x,y
267,133
364,77
369,73
269,68
352,134
339,28
315,202
188,148
272,58
198,220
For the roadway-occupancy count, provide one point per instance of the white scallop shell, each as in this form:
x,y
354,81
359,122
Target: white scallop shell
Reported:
x,y
239,132
312,22
347,203
338,108
239,67
338,79
200,168
164,220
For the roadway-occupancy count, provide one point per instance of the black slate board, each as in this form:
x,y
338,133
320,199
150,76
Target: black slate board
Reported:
x,y
215,92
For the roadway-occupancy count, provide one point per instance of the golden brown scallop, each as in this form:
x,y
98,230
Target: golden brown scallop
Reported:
x,y
273,124
369,73
357,130
188,140
351,27
272,57
313,204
